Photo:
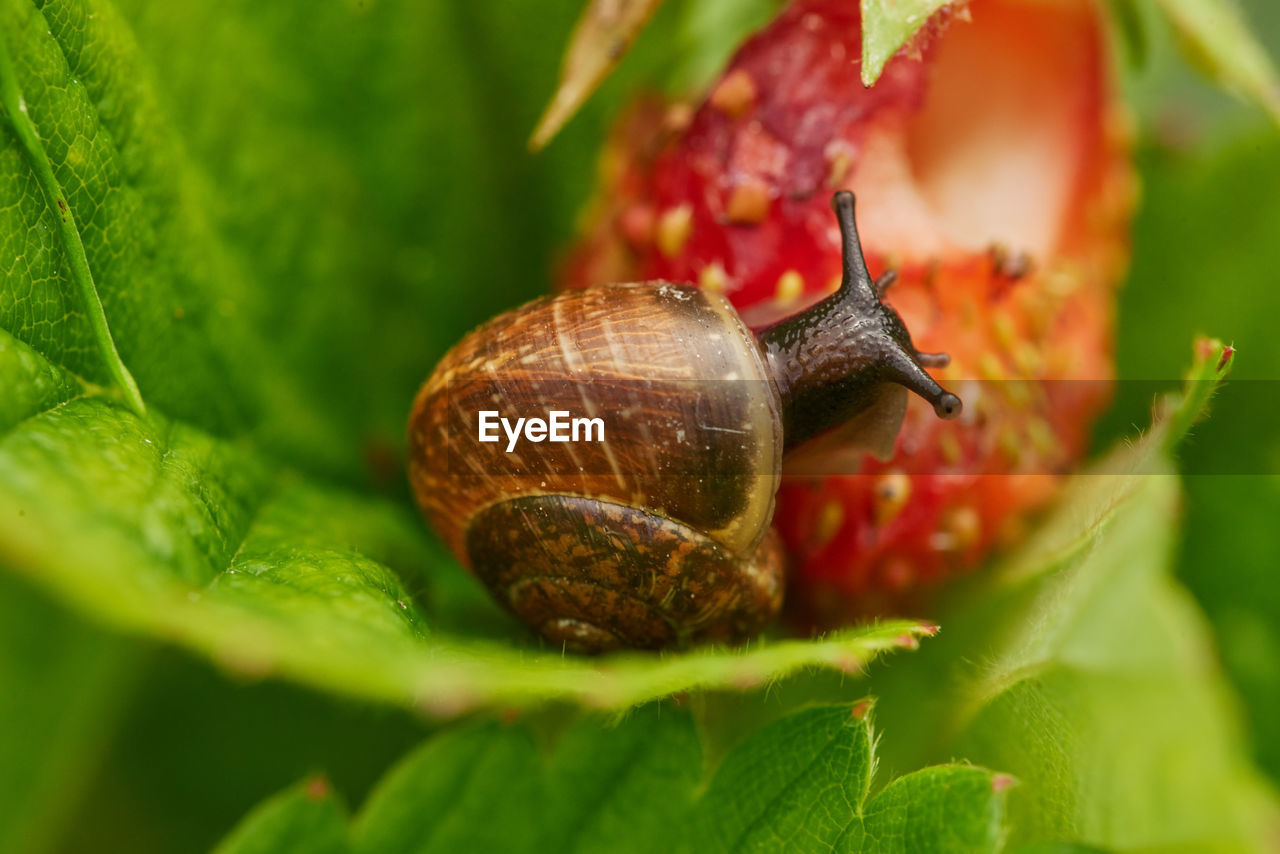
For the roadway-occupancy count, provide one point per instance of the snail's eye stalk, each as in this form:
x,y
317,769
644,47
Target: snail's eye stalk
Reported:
x,y
828,360
907,371
903,365
856,283
886,280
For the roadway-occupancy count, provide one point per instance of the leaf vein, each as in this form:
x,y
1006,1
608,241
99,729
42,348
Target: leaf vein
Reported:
x,y
24,129
832,742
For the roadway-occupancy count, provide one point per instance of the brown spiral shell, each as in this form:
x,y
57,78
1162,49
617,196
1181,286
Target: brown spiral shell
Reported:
x,y
658,535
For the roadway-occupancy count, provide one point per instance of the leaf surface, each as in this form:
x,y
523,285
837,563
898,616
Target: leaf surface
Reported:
x,y
1082,668
164,530
602,36
304,818
15,109
1210,213
801,784
1218,40
63,687
887,25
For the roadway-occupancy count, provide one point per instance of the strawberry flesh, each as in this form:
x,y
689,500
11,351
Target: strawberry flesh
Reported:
x,y
990,165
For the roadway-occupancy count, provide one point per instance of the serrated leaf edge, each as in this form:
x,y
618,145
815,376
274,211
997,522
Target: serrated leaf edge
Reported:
x,y
484,734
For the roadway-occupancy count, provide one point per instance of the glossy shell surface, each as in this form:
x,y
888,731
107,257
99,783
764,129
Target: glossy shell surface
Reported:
x,y
596,534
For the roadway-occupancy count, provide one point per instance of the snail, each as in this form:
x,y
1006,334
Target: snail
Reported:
x,y
656,531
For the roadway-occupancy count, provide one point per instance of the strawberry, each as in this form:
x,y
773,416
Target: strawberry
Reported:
x,y
990,167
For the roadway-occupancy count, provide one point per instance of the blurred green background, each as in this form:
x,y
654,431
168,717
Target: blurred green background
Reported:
x,y
412,119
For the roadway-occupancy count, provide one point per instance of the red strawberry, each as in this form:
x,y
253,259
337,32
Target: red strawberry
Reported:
x,y
990,169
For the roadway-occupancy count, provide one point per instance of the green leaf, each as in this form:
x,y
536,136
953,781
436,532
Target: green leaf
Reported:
x,y
15,109
1218,40
601,37
946,808
304,818
1208,218
635,780
164,530
187,314
193,751
1055,848
472,790
801,784
63,685
798,785
273,244
1126,18
1212,363
624,787
1080,667
887,25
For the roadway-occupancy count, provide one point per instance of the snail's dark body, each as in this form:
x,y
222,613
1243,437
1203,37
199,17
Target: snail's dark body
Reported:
x,y
660,534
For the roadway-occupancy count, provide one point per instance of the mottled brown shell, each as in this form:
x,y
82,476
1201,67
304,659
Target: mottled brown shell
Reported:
x,y
658,535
